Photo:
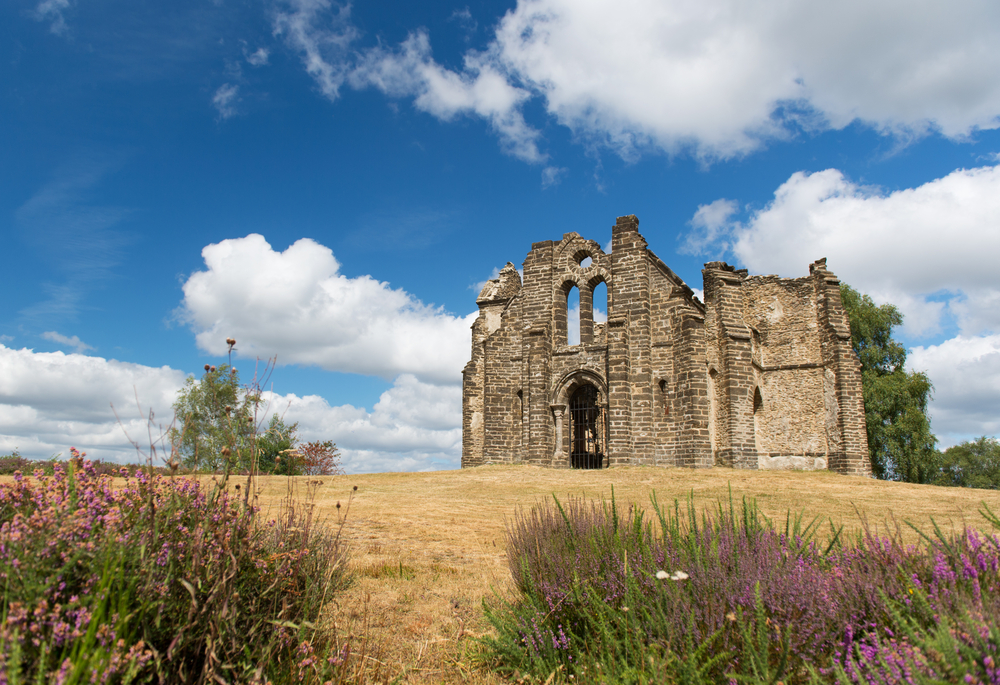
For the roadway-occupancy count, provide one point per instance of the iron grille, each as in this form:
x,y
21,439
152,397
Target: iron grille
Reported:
x,y
586,429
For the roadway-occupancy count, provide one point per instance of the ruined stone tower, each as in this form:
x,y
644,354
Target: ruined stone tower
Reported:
x,y
762,375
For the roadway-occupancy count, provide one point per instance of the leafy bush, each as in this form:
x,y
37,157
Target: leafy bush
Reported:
x,y
606,596
158,579
319,458
13,462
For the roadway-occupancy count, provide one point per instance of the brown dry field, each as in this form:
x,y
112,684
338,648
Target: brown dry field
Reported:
x,y
427,547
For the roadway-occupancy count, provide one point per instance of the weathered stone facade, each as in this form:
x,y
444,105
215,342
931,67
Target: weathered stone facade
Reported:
x,y
762,375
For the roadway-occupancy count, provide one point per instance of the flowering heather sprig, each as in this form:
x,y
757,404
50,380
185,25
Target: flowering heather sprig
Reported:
x,y
136,575
583,566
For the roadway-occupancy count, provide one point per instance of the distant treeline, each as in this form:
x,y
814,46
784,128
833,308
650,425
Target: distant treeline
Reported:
x,y
14,462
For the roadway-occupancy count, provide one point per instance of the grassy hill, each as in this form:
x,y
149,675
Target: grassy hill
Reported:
x,y
427,547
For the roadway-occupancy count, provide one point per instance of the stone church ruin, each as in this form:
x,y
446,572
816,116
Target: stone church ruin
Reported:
x,y
762,375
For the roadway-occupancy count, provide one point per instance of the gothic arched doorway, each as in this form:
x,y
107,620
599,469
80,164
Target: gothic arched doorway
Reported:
x,y
586,421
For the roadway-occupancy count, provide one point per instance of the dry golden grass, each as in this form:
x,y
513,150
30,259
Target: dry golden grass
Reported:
x,y
427,547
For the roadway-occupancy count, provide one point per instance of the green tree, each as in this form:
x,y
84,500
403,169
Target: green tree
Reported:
x,y
276,449
899,430
214,421
974,464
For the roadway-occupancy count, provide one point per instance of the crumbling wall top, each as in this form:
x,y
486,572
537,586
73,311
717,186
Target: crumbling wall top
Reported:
x,y
502,288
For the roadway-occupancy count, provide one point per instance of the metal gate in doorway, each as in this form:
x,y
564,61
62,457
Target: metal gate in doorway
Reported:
x,y
586,429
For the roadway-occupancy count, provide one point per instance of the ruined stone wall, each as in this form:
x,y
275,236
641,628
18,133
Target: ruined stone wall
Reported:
x,y
789,412
502,408
473,394
762,375
631,397
845,410
728,357
680,397
667,433
491,385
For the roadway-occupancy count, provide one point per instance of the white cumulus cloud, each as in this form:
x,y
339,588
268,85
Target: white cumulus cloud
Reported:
x,y
913,247
723,75
414,426
297,305
710,226
717,78
966,376
258,58
50,401
294,304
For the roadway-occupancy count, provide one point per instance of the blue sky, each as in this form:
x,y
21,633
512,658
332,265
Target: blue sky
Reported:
x,y
331,183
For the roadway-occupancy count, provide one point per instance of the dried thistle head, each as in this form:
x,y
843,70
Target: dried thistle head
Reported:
x,y
338,505
213,369
208,367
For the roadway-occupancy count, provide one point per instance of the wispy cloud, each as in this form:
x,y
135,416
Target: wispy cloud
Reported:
x,y
552,175
322,36
463,18
73,342
404,229
710,227
225,100
480,89
76,235
258,58
52,11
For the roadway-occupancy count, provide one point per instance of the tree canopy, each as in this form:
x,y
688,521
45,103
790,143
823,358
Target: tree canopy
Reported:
x,y
972,464
276,448
899,432
214,421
